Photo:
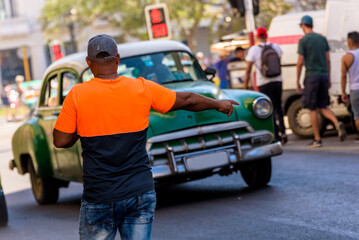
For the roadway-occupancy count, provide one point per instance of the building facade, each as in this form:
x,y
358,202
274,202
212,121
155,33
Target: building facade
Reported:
x,y
19,31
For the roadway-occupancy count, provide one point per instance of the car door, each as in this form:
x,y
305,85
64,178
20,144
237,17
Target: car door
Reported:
x,y
68,159
47,112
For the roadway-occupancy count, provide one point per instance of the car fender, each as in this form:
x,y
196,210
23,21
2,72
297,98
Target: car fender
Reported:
x,y
29,140
245,112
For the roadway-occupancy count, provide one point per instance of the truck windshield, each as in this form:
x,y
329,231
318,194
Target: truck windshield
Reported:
x,y
161,68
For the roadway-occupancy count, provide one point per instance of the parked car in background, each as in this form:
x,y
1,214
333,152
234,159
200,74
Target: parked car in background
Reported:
x,y
182,145
3,208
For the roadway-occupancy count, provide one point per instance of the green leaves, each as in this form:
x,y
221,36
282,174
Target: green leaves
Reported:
x,y
128,16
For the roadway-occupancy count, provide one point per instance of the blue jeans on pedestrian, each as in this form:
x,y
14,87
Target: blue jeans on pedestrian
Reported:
x,y
132,217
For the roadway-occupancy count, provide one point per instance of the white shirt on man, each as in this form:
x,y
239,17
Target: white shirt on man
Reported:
x,y
255,55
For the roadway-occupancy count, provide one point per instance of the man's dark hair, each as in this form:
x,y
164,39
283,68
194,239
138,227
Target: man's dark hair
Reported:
x,y
239,49
102,55
308,25
354,37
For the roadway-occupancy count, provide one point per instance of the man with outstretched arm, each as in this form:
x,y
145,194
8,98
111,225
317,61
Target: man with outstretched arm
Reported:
x,y
110,115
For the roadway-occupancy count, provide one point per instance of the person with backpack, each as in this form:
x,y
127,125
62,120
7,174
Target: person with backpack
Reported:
x,y
266,58
313,53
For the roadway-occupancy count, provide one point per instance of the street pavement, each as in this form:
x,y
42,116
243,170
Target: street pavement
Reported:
x,y
313,194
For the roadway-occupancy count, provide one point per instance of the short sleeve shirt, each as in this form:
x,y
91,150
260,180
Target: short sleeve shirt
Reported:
x,y
255,55
313,47
111,117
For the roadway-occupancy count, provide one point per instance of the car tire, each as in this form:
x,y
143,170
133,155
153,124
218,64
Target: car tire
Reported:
x,y
3,211
257,173
45,190
299,120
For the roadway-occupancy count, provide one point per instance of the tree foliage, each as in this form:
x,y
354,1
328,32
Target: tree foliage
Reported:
x,y
307,5
185,15
269,9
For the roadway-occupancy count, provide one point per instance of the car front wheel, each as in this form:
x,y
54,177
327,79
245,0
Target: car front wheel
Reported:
x,y
299,120
45,190
257,173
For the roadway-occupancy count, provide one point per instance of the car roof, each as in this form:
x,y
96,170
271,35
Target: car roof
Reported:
x,y
77,61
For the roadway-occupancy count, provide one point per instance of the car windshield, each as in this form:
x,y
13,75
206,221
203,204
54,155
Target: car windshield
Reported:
x,y
161,68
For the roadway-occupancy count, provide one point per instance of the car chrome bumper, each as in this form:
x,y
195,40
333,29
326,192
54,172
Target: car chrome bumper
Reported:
x,y
233,157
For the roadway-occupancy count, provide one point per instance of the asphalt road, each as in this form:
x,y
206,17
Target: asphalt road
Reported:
x,y
313,194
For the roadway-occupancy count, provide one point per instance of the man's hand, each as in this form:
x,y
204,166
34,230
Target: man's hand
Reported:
x,y
226,106
345,97
299,89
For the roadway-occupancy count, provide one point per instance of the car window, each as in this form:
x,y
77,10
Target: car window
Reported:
x,y
50,98
159,67
68,80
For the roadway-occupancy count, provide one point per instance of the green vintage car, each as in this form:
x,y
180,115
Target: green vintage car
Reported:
x,y
3,208
182,145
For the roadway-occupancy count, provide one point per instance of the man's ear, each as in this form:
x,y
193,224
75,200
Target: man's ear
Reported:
x,y
117,58
88,62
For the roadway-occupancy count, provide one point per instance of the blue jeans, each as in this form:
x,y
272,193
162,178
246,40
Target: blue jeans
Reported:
x,y
132,217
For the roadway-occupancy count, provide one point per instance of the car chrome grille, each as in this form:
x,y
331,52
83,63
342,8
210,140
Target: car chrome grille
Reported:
x,y
175,146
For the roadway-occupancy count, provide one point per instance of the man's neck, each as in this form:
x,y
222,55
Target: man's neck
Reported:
x,y
262,42
309,30
105,76
354,47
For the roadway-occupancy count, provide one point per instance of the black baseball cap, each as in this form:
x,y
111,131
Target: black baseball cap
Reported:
x,y
102,48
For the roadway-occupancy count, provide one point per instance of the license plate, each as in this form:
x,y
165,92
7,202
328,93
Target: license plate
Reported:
x,y
207,161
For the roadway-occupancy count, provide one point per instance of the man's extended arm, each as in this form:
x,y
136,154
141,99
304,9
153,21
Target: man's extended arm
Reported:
x,y
247,77
64,140
299,72
327,57
195,102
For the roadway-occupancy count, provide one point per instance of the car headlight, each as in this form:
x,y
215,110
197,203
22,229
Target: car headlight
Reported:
x,y
262,107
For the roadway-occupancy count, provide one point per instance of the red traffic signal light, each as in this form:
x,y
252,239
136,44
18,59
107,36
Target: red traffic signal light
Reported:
x,y
157,20
56,51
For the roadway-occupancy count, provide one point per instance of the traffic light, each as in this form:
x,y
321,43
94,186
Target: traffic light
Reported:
x,y
158,24
255,7
240,6
56,51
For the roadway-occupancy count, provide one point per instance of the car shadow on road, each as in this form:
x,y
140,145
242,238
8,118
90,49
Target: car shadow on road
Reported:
x,y
197,193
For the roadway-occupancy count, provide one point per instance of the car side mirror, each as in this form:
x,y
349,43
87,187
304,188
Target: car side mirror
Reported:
x,y
210,73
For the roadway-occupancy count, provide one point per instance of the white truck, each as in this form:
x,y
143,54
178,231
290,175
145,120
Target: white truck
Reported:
x,y
339,18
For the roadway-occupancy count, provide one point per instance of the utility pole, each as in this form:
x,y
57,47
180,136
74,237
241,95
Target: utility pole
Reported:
x,y
249,17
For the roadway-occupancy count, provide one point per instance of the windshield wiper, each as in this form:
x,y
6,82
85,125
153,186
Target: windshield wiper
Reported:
x,y
182,80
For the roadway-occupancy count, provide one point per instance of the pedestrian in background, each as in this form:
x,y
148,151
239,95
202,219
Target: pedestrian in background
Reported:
x,y
266,58
110,115
350,65
313,52
222,70
239,55
19,80
5,101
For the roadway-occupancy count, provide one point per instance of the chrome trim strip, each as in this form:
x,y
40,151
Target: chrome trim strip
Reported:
x,y
191,132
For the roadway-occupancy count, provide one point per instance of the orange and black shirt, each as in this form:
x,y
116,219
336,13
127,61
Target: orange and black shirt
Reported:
x,y
111,117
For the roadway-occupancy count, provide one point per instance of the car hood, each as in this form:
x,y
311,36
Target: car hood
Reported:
x,y
177,120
